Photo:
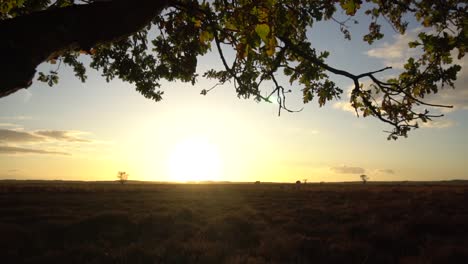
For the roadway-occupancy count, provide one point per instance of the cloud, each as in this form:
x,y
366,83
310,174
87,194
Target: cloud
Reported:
x,y
18,150
18,141
20,136
458,97
20,117
344,106
397,53
438,123
8,125
347,170
15,136
385,171
61,135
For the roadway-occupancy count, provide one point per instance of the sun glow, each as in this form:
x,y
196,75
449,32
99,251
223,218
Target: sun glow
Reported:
x,y
195,160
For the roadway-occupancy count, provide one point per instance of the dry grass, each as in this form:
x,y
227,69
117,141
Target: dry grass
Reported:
x,y
60,222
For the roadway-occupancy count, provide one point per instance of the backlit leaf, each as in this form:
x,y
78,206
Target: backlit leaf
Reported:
x,y
262,31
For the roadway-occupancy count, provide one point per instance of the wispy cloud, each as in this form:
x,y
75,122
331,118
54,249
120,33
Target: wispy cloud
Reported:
x,y
442,123
347,170
53,142
62,135
15,136
19,117
20,136
18,150
8,125
396,53
385,171
344,106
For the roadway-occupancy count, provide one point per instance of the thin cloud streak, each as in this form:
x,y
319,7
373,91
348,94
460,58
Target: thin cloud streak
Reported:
x,y
19,136
18,141
15,117
385,171
18,150
61,135
344,106
15,136
439,124
347,170
8,125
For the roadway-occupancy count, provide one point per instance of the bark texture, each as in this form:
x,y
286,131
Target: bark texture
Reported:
x,y
30,40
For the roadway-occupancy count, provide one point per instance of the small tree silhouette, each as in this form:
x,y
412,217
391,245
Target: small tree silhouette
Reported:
x,y
364,178
304,181
297,185
122,177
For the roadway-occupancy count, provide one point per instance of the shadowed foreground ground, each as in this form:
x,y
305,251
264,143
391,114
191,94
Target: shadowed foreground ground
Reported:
x,y
267,223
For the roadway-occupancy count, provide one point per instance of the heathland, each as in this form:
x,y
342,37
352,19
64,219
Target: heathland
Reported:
x,y
79,222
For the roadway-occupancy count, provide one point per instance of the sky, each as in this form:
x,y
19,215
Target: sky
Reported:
x,y
90,131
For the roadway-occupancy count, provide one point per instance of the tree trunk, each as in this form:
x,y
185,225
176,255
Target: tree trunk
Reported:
x,y
30,40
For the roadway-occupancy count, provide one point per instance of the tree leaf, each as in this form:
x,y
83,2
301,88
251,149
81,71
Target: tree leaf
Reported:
x,y
262,31
351,6
271,46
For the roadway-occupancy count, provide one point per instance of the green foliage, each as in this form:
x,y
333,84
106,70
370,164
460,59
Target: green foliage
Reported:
x,y
350,6
7,8
269,37
51,78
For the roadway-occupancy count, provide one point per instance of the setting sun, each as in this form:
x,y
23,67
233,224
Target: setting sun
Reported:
x,y
194,159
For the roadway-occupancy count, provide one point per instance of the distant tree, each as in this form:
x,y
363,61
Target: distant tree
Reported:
x,y
298,184
364,178
257,182
268,37
122,177
304,181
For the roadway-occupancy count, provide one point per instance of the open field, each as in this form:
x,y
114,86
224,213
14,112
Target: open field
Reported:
x,y
60,222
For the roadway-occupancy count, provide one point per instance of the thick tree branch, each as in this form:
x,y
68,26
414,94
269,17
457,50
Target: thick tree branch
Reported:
x,y
32,39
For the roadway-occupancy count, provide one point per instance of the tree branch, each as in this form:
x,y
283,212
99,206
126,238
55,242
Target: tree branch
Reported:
x,y
35,38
